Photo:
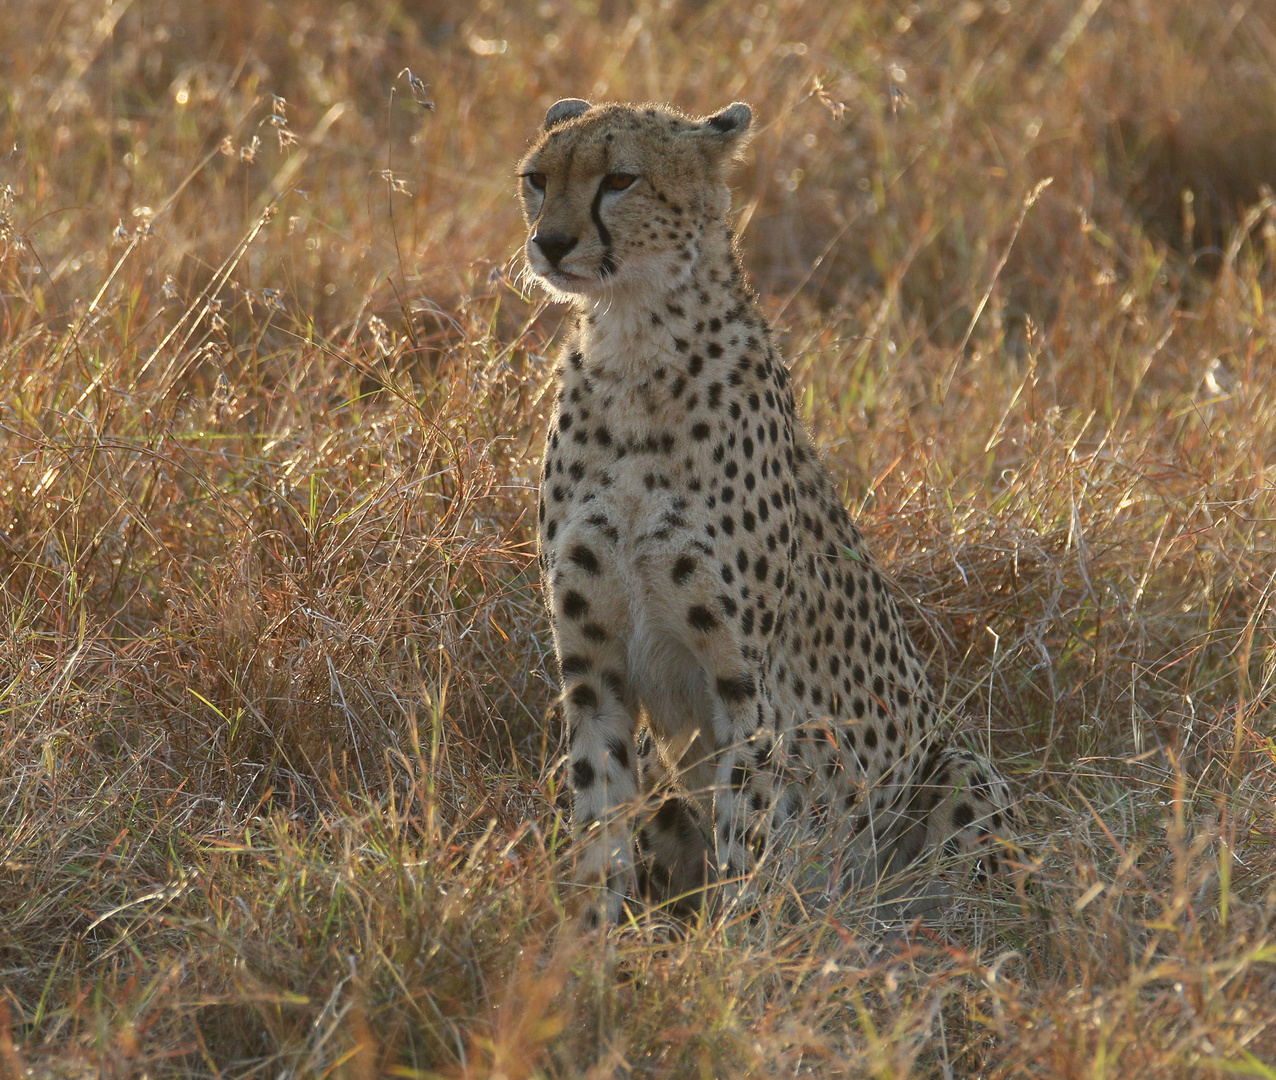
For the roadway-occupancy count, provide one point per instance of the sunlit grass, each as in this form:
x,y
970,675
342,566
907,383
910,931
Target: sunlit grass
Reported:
x,y
277,735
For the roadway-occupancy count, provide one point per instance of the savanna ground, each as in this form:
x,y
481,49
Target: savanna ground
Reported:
x,y
277,732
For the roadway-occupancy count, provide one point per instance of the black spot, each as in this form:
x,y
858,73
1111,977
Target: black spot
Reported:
x,y
700,431
619,751
601,523
574,605
683,568
963,815
701,618
593,632
585,559
739,776
736,688
669,816
574,665
582,775
584,697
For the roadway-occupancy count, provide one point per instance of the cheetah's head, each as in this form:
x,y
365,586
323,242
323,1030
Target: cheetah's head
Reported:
x,y
619,197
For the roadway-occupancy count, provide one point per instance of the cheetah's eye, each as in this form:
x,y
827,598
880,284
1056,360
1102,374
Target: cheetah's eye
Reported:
x,y
618,181
536,180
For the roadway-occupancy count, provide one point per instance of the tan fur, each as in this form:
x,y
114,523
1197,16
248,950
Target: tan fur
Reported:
x,y
735,668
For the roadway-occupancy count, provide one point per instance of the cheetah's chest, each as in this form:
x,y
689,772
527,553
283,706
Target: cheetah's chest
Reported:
x,y
632,507
637,482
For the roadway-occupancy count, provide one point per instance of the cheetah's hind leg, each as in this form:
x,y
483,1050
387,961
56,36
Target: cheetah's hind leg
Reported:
x,y
959,818
970,818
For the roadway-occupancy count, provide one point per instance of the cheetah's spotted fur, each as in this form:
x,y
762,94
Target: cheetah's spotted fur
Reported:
x,y
729,652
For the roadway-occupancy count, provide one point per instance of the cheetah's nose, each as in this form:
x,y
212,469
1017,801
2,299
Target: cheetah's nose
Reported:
x,y
554,245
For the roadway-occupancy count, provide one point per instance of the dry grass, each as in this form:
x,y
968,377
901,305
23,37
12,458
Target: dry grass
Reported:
x,y
278,782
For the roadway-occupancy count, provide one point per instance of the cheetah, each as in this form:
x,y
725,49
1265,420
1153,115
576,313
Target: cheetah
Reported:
x,y
732,660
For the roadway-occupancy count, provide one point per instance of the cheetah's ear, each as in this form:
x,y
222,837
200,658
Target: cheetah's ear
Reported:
x,y
725,133
564,110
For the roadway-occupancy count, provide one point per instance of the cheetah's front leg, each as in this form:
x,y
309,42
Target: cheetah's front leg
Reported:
x,y
735,784
744,734
590,616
